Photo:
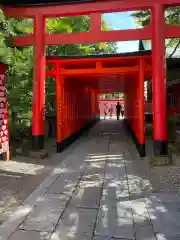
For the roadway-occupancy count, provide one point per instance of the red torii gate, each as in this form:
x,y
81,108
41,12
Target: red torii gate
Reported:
x,y
79,80
157,31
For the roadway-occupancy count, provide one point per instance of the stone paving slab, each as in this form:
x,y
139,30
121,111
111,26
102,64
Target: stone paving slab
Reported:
x,y
114,190
45,214
94,166
107,238
98,192
88,181
140,213
76,224
115,170
93,171
86,197
160,236
93,178
165,216
115,220
30,235
66,183
144,233
96,159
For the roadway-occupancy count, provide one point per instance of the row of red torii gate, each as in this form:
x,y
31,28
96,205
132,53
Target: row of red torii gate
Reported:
x,y
81,80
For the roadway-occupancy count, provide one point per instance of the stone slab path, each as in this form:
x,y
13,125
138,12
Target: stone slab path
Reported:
x,y
100,191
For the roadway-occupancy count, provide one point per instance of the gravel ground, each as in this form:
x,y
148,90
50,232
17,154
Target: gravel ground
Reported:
x,y
165,178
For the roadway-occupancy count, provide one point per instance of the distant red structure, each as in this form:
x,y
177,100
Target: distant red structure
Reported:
x,y
108,103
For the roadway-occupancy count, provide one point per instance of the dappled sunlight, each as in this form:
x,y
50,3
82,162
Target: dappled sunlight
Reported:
x,y
115,158
89,184
65,184
20,213
114,176
115,165
114,191
93,165
76,224
45,213
140,211
115,219
96,160
93,178
161,208
98,155
138,184
21,167
58,171
118,156
97,192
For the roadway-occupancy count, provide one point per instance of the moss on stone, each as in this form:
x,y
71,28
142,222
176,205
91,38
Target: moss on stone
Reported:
x,y
160,161
174,147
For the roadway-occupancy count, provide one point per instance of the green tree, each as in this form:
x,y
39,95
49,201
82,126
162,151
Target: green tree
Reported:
x,y
112,96
5,43
172,16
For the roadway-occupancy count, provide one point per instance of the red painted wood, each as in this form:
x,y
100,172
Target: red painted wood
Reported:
x,y
58,79
95,23
85,8
172,31
90,37
141,120
159,75
101,79
4,130
87,37
27,40
39,78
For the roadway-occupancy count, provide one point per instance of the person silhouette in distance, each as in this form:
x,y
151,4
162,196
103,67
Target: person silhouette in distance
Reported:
x,y
118,110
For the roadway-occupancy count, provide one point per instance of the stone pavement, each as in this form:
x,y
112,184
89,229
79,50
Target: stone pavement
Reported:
x,y
100,191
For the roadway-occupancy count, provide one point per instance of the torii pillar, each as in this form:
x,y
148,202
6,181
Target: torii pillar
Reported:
x,y
159,82
38,83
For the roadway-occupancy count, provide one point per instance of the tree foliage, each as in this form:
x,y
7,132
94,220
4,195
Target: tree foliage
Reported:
x,y
20,61
5,44
172,16
112,96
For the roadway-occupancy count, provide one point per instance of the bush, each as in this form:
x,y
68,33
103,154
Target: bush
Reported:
x,y
18,133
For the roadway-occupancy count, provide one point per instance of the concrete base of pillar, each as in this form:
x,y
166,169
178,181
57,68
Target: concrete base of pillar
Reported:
x,y
38,154
38,142
140,147
160,148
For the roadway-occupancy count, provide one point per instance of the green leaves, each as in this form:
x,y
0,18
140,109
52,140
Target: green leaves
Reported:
x,y
75,24
142,17
172,16
6,50
68,24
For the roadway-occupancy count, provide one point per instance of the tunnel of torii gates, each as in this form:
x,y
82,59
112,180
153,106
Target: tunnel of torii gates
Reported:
x,y
80,81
